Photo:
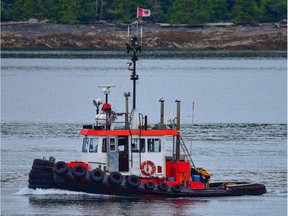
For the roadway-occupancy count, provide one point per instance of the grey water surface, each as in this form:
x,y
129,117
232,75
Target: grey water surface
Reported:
x,y
239,129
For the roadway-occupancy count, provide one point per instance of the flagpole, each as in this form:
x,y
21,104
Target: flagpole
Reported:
x,y
137,27
141,34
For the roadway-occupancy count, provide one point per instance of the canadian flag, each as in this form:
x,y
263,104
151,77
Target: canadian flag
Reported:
x,y
141,12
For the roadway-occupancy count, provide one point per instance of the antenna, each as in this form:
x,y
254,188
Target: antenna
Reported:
x,y
192,125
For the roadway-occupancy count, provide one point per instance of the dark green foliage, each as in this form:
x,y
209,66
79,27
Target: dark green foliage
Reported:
x,y
220,11
181,11
124,11
274,10
246,11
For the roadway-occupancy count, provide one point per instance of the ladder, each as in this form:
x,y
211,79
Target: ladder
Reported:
x,y
187,155
183,146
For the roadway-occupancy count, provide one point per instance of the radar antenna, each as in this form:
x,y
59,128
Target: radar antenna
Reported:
x,y
106,90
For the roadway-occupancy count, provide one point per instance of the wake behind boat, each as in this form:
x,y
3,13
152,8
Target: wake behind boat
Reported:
x,y
122,154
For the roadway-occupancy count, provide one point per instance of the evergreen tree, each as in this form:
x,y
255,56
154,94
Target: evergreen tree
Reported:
x,y
203,11
181,11
246,11
67,11
274,10
6,10
52,8
22,10
171,11
123,11
219,10
229,5
158,13
86,11
163,10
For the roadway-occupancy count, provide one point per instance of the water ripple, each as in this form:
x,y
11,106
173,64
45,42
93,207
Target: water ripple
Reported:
x,y
201,132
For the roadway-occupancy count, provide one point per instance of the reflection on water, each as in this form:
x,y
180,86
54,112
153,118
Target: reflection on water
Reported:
x,y
100,204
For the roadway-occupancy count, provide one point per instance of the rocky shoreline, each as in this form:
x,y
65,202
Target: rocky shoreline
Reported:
x,y
102,36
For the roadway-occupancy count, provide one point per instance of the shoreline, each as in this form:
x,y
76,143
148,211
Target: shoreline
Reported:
x,y
263,37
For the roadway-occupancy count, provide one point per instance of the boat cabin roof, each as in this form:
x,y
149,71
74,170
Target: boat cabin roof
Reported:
x,y
90,132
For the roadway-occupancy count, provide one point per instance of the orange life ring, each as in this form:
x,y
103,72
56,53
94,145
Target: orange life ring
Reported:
x,y
148,168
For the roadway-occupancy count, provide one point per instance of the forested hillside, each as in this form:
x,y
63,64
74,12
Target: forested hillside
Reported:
x,y
166,11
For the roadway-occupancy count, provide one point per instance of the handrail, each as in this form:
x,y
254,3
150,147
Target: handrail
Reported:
x,y
186,151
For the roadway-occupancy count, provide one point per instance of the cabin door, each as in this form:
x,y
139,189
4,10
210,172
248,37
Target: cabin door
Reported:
x,y
137,149
112,155
123,154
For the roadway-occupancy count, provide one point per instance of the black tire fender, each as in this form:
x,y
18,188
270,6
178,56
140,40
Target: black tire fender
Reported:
x,y
42,181
60,168
163,187
79,171
149,185
115,178
133,181
40,175
59,179
96,175
40,171
42,168
176,188
41,162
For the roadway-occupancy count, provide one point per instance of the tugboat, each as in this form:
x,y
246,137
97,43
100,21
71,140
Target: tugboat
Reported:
x,y
129,158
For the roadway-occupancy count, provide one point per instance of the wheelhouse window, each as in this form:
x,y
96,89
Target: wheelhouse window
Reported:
x,y
112,145
104,145
85,144
138,145
93,147
154,145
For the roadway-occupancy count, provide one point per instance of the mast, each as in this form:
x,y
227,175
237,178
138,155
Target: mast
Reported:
x,y
134,47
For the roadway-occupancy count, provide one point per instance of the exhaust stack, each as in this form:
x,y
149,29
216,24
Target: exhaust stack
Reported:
x,y
126,95
178,128
161,111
